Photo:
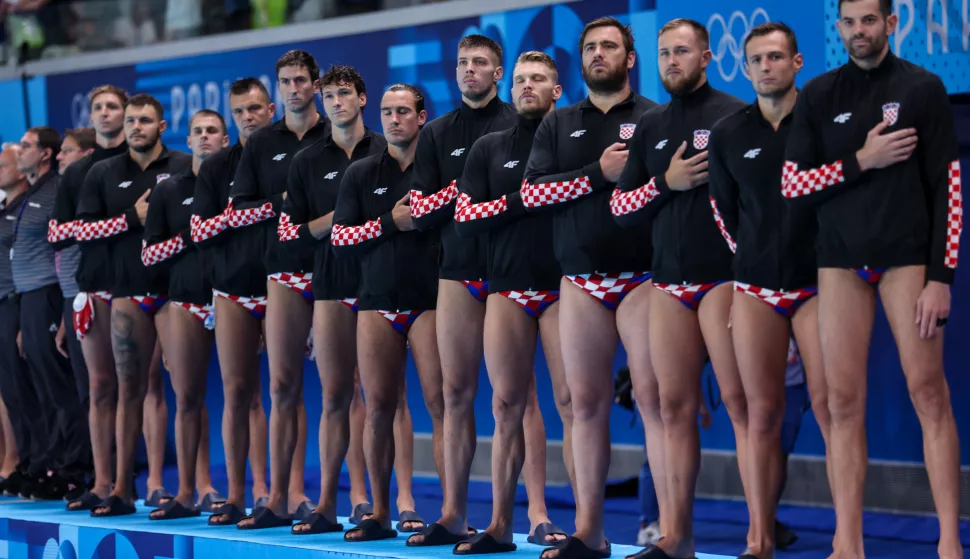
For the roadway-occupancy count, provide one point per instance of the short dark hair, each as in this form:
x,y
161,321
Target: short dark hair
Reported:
x,y
481,42
699,30
213,114
609,22
766,29
121,94
245,85
885,7
541,58
299,58
85,137
47,138
340,74
418,96
144,100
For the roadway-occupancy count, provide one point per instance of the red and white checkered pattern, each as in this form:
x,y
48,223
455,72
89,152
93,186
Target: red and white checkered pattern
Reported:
x,y
160,252
423,205
93,230
466,211
780,299
202,312
795,183
84,311
551,193
255,305
720,225
286,230
627,130
205,230
533,302
890,113
622,203
342,236
689,294
150,303
401,320
57,232
609,288
954,221
245,218
701,138
299,282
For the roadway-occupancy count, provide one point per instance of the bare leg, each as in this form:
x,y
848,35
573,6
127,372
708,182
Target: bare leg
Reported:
x,y
460,321
381,352
203,474
188,345
510,346
676,351
589,340
288,321
356,465
633,324
761,343
10,455
258,443
155,421
846,308
237,340
922,361
404,448
297,489
335,342
103,387
133,343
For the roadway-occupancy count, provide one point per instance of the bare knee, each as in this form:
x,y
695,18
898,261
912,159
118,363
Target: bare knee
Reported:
x,y
337,402
737,407
931,397
435,402
765,417
820,408
508,407
459,397
285,392
846,403
131,389
679,409
189,401
238,393
587,405
648,402
103,391
381,408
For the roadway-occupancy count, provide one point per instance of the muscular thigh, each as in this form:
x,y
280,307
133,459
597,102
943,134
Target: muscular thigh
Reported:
x,y
188,343
633,324
714,315
510,344
381,353
805,327
676,350
899,291
552,350
460,319
761,338
335,342
96,344
288,319
589,339
132,338
846,308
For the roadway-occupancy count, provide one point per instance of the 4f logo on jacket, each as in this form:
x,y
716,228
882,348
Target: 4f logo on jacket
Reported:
x,y
842,118
380,191
511,164
752,153
279,157
458,152
577,133
331,175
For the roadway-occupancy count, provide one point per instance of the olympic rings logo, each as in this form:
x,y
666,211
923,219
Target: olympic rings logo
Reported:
x,y
729,51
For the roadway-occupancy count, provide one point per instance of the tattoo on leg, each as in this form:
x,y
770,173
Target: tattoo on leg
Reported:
x,y
127,361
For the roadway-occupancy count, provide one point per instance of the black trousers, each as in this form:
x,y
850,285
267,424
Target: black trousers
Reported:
x,y
19,395
69,443
78,365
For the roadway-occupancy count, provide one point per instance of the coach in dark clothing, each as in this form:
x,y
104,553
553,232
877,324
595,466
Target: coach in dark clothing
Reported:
x,y
15,385
41,311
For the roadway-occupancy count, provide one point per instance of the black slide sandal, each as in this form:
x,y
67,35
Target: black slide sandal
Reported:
x,y
543,531
318,524
85,502
116,507
410,516
574,548
234,514
173,510
211,502
483,544
264,518
372,531
360,511
435,534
